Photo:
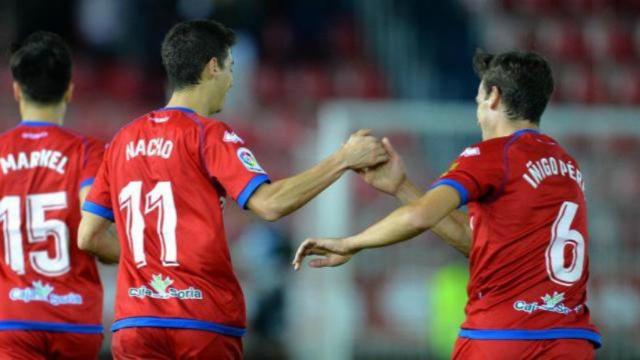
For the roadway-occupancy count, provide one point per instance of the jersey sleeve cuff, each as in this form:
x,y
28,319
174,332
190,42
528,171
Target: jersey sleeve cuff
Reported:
x,y
462,191
99,210
87,182
250,188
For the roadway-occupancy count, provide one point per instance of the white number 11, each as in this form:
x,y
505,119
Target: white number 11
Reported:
x,y
160,198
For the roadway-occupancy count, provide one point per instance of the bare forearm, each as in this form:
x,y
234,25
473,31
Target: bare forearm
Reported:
x,y
107,246
97,236
402,224
453,229
284,196
409,220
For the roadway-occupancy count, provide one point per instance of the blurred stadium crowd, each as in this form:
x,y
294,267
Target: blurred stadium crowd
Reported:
x,y
293,55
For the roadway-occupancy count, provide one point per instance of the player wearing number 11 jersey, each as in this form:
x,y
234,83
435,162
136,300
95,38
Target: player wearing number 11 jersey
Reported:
x,y
164,180
526,231
50,291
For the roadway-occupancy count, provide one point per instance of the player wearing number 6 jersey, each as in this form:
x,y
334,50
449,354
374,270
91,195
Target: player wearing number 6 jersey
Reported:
x,y
50,291
164,180
526,231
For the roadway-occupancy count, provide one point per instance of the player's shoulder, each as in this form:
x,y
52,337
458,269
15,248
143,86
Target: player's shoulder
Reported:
x,y
485,149
214,124
63,133
220,130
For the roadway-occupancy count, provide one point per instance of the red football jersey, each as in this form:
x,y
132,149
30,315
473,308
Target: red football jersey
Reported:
x,y
164,182
529,258
46,282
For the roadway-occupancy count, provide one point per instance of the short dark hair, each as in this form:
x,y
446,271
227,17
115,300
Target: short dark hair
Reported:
x,y
524,80
190,45
41,64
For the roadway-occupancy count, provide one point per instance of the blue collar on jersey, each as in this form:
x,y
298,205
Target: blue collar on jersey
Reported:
x,y
179,108
524,131
36,123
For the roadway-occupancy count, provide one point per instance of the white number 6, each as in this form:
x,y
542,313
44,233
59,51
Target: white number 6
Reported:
x,y
562,236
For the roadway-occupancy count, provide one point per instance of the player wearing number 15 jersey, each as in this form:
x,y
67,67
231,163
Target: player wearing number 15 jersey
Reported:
x,y
526,231
164,181
50,292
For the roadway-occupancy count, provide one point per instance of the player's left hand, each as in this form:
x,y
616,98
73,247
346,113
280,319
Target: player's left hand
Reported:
x,y
332,252
386,177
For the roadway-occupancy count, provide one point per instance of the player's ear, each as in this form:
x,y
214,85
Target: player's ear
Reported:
x,y
17,91
212,69
494,98
68,95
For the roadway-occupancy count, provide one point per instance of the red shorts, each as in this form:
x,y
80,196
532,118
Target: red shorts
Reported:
x,y
160,343
566,349
41,345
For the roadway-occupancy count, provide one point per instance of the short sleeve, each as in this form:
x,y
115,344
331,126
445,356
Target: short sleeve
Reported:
x,y
230,161
92,158
477,172
98,202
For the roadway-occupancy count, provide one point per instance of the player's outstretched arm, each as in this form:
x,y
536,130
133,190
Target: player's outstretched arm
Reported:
x,y
390,177
273,201
97,235
402,224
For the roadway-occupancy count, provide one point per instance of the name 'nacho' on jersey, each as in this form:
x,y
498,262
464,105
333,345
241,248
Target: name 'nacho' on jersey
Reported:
x,y
153,147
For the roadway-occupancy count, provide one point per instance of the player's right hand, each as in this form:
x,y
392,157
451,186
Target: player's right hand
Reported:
x,y
388,176
363,150
332,252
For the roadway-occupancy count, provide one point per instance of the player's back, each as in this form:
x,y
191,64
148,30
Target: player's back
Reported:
x,y
529,256
46,282
167,174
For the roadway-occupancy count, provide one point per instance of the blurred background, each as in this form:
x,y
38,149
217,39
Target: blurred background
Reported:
x,y
294,59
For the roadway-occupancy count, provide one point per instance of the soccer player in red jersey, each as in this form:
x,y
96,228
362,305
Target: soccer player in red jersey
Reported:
x,y
50,291
164,181
526,231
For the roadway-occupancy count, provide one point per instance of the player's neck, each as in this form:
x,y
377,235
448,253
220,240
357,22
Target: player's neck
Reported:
x,y
508,127
193,98
43,113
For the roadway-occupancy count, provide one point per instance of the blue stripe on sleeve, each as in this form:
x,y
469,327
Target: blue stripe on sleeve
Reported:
x,y
462,191
98,210
87,182
53,327
250,188
177,323
546,334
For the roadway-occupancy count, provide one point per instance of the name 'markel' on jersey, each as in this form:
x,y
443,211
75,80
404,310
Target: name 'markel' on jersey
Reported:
x,y
50,159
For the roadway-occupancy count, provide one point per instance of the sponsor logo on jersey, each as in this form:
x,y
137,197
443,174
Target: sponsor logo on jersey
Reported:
x,y
249,161
40,291
551,303
470,151
161,289
34,136
232,137
160,120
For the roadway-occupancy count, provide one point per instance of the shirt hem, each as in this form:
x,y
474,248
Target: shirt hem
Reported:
x,y
527,334
177,323
8,325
